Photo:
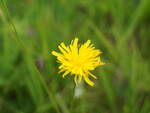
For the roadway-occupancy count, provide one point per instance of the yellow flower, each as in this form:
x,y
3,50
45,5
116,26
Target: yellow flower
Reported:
x,y
78,60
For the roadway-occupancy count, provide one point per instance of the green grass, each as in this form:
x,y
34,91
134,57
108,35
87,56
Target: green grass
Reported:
x,y
31,29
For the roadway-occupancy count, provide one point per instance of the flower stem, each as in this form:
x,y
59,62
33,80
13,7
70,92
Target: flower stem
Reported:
x,y
72,98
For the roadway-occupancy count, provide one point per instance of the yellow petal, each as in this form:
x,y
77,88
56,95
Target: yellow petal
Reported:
x,y
88,81
87,44
79,78
102,63
75,79
75,43
92,75
64,47
55,53
61,69
67,72
62,50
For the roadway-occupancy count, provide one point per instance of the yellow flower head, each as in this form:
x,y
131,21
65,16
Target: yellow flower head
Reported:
x,y
78,60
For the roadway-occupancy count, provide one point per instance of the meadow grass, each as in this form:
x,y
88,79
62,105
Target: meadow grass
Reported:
x,y
31,29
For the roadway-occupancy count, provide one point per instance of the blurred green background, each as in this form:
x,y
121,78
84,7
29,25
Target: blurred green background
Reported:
x,y
31,29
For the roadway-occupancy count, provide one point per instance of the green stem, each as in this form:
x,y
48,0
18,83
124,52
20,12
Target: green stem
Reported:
x,y
72,98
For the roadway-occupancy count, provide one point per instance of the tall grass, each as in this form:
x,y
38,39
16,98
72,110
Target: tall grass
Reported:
x,y
31,29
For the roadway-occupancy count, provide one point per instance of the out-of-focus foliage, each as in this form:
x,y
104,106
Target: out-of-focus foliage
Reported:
x,y
31,29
